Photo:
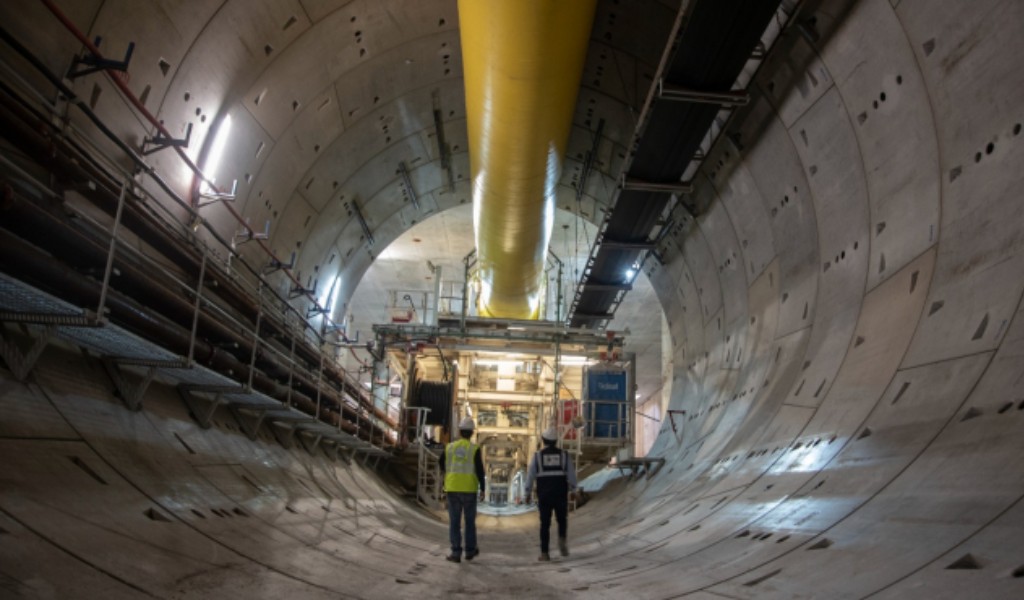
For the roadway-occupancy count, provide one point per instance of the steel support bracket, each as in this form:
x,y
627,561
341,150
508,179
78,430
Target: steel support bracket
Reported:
x,y
310,446
94,63
250,424
651,466
160,142
298,291
672,418
200,408
21,362
213,197
276,265
330,450
130,393
284,434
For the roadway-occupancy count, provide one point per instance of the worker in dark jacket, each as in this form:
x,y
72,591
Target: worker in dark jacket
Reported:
x,y
555,475
463,469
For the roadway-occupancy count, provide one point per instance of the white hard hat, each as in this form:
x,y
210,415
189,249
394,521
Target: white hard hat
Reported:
x,y
550,434
467,424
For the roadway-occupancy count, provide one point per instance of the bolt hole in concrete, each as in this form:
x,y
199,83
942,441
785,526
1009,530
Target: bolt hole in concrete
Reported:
x,y
154,515
967,561
989,148
971,414
88,470
1016,129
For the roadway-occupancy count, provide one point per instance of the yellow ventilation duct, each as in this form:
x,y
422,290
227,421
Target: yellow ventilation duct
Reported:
x,y
523,60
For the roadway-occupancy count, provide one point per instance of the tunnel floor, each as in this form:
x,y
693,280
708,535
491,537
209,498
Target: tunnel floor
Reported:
x,y
98,501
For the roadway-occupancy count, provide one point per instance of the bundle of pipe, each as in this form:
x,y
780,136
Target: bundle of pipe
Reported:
x,y
523,60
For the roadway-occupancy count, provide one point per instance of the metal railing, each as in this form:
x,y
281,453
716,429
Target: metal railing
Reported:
x,y
293,332
606,421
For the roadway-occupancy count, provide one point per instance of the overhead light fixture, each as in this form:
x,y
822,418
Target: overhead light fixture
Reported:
x,y
497,363
212,163
574,360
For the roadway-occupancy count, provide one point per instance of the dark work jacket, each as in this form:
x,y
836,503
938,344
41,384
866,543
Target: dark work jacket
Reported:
x,y
553,471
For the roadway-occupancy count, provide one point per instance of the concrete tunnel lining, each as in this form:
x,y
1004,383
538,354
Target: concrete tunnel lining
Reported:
x,y
844,314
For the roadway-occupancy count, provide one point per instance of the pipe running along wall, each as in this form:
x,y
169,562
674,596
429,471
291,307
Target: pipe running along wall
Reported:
x,y
523,60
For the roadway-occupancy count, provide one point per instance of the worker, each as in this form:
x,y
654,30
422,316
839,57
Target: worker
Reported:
x,y
555,476
463,469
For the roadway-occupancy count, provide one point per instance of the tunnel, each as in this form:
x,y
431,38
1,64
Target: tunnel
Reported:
x,y
201,201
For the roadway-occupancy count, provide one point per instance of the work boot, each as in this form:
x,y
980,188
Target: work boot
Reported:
x,y
544,557
471,553
453,558
563,546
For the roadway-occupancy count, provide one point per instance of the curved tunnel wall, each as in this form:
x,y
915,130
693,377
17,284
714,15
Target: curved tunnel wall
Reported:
x,y
848,347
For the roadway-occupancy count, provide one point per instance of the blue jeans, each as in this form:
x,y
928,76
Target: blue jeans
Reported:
x,y
459,502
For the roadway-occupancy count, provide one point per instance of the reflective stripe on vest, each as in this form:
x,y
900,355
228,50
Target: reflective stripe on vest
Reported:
x,y
555,462
460,467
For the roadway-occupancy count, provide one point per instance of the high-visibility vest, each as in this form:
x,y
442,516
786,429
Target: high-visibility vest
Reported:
x,y
551,462
551,465
459,470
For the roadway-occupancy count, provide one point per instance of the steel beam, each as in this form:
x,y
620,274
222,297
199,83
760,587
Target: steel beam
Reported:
x,y
668,91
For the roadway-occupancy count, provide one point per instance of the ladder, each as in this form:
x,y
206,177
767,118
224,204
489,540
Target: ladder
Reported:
x,y
428,471
428,480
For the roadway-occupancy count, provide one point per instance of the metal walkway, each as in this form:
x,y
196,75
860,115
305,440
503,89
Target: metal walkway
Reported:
x,y
133,363
695,91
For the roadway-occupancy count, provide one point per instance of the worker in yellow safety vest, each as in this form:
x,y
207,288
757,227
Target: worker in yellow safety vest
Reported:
x,y
463,469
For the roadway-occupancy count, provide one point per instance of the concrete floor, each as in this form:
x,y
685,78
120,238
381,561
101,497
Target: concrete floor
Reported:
x,y
846,324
